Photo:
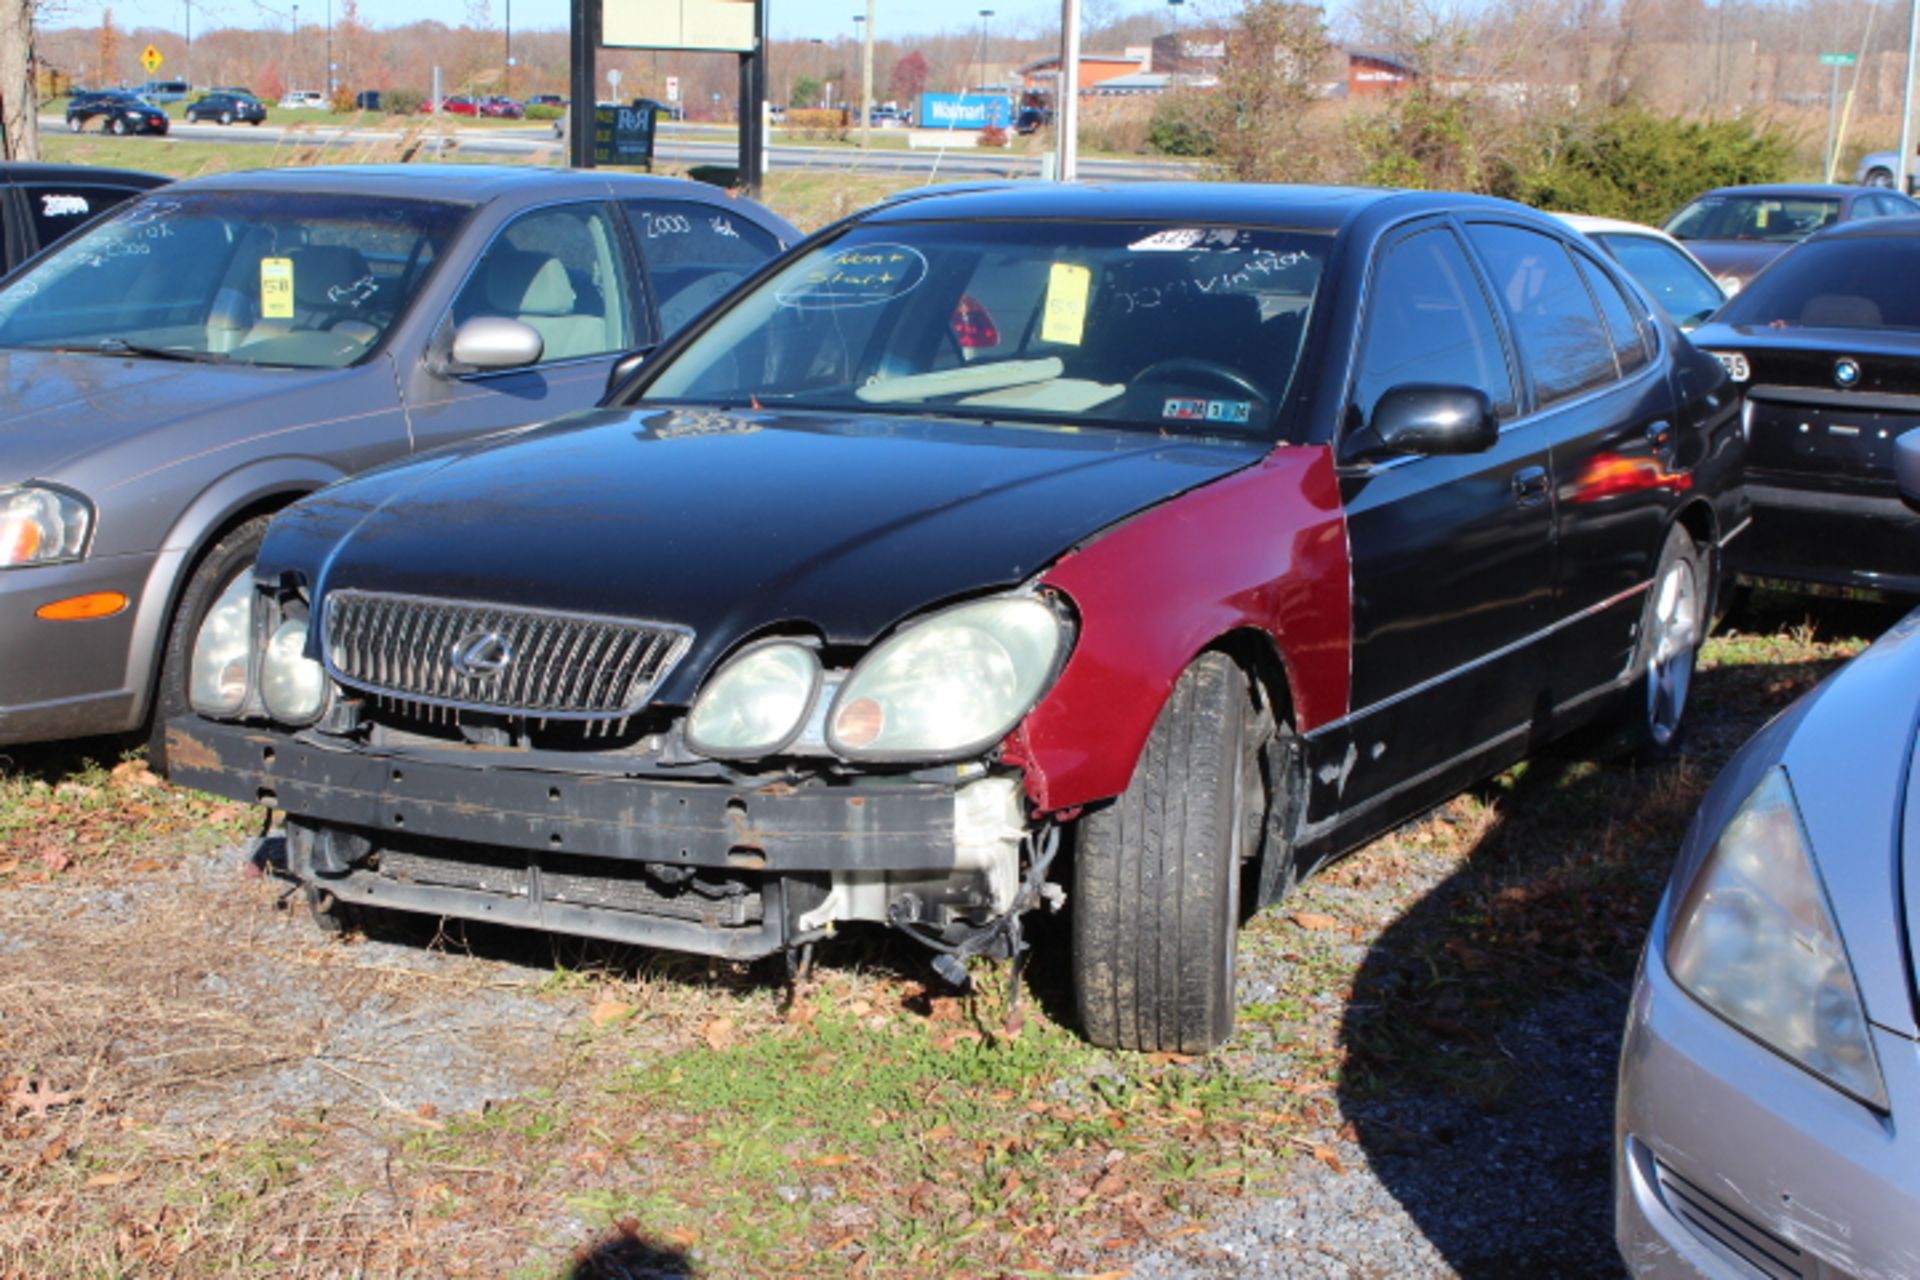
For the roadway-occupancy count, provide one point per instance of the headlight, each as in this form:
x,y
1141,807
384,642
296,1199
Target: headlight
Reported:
x,y
39,525
1755,941
292,685
951,685
757,703
223,652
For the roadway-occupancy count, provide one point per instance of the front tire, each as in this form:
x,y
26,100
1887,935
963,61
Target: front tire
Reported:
x,y
230,557
117,126
226,118
76,125
1877,177
1157,873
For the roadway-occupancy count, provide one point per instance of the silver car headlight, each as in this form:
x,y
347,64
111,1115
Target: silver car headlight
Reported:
x,y
1755,940
950,685
757,703
293,686
222,666
42,525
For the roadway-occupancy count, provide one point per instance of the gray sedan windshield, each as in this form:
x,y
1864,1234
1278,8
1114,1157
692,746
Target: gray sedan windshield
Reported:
x,y
1181,329
296,279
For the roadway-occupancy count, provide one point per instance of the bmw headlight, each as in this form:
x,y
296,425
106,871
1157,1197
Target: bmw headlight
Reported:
x,y
292,685
1755,940
42,525
951,685
222,666
757,703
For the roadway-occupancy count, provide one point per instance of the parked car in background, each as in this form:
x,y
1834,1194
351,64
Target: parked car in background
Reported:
x,y
547,100
1207,530
1735,231
303,100
1826,347
43,203
501,109
459,105
1032,119
220,347
116,112
1674,278
227,108
368,100
1876,169
161,92
239,89
1769,1070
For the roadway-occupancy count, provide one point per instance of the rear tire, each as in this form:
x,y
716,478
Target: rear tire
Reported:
x,y
76,125
117,126
1672,626
226,118
1157,873
1878,177
233,555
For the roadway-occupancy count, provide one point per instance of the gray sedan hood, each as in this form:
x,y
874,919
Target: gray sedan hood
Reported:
x,y
56,407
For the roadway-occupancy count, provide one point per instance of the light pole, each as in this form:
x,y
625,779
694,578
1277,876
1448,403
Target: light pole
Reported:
x,y
293,49
509,77
1179,54
865,21
186,63
984,15
819,71
329,76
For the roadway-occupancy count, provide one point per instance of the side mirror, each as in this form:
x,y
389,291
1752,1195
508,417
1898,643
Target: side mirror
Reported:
x,y
626,366
1422,417
1906,467
492,342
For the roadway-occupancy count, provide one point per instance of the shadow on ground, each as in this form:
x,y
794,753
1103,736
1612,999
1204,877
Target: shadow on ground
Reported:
x,y
1482,1033
626,1254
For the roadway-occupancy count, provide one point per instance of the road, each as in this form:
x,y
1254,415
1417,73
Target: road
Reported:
x,y
685,145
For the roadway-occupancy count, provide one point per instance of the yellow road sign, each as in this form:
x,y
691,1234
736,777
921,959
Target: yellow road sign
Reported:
x,y
151,59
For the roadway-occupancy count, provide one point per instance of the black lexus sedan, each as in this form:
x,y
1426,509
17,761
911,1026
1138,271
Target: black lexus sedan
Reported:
x,y
1132,549
1826,345
116,112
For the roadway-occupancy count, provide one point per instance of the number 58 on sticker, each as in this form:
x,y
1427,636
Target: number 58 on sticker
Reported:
x,y
276,288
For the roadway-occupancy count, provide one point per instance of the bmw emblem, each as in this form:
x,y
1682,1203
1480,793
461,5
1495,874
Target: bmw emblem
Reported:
x,y
1846,372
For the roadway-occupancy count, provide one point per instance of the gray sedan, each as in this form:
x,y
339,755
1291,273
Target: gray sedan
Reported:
x,y
1772,1059
223,346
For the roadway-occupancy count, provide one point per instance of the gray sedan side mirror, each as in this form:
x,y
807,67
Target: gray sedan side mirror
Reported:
x,y
493,342
1421,417
1906,467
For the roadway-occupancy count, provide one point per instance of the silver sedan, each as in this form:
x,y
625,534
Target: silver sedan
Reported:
x,y
1772,1057
221,347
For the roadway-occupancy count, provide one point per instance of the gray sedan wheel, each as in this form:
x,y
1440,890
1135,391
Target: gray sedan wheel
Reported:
x,y
229,558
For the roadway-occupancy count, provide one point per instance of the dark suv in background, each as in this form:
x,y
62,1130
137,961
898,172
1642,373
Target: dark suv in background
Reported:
x,y
225,108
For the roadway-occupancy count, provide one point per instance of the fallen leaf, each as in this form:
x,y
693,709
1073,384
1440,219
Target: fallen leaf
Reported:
x,y
426,1111
30,1096
1330,1158
1314,920
718,1033
56,861
108,1179
134,773
1162,1058
860,1008
609,1011
939,1133
53,1151
1109,1184
828,1162
679,1237
148,864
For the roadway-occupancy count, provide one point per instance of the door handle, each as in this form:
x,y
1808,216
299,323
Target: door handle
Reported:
x,y
1530,486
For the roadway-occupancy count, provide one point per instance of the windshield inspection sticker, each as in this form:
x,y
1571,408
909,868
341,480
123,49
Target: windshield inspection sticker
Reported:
x,y
1187,409
858,277
1173,238
1065,322
276,288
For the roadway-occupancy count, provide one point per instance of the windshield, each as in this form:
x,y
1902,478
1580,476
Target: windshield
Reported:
x,y
1681,287
1771,219
293,279
1180,329
1854,282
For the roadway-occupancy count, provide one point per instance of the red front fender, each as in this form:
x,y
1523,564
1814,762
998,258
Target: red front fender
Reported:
x,y
1263,549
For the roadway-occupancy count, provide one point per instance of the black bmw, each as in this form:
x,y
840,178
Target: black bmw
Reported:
x,y
1826,345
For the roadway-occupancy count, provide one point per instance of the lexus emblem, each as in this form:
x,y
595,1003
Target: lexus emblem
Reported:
x,y
1846,371
481,654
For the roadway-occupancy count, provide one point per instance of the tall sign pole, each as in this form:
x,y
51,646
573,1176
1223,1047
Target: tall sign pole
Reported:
x,y
1835,61
1066,106
866,74
1906,103
753,105
584,82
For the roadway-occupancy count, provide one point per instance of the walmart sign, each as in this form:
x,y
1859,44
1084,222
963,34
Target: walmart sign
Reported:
x,y
962,111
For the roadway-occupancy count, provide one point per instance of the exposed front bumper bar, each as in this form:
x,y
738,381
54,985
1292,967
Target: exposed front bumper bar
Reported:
x,y
484,797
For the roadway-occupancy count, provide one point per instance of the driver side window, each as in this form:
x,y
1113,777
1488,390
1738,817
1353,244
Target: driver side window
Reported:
x,y
1428,320
561,271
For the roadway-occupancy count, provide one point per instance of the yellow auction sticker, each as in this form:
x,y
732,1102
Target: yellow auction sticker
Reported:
x,y
1066,318
276,288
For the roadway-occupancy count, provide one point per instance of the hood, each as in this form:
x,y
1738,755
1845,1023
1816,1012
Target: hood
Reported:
x,y
732,522
56,407
1741,259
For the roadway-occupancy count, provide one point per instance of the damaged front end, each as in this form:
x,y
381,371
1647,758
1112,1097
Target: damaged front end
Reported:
x,y
486,763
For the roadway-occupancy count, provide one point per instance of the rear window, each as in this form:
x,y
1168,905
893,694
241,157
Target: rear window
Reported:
x,y
1850,283
1766,219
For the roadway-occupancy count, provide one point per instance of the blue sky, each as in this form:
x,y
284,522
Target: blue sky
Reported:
x,y
788,18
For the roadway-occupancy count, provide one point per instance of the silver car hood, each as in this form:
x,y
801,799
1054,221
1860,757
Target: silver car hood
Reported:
x,y
56,407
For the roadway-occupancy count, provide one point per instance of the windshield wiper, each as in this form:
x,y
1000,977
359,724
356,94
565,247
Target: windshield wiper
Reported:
x,y
121,347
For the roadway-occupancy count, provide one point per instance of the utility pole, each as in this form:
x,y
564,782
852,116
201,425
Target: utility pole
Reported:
x,y
866,73
186,61
1905,168
329,76
509,80
984,15
1066,107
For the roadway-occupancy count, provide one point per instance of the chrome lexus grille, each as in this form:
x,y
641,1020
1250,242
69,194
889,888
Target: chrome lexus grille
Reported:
x,y
496,658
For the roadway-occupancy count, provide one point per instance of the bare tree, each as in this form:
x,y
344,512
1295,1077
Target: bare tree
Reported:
x,y
19,101
1274,50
